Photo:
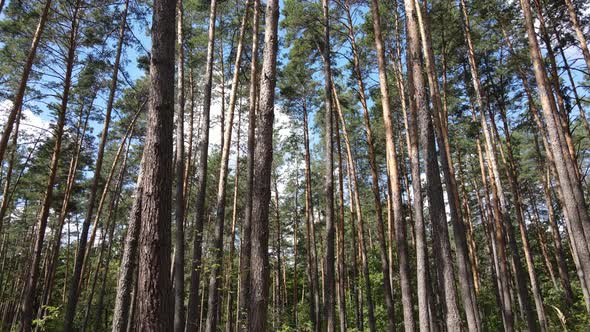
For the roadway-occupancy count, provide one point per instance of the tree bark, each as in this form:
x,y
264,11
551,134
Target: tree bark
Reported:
x,y
417,107
155,301
121,313
262,168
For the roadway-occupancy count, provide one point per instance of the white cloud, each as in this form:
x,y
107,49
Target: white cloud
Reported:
x,y
31,123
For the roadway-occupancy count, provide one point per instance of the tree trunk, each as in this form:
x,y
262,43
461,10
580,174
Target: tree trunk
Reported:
x,y
375,187
415,115
512,175
340,233
193,321
464,265
232,248
329,285
155,301
262,169
22,86
572,196
571,10
498,202
121,313
217,250
245,240
392,169
54,252
8,177
278,303
107,239
32,277
70,311
178,282
312,267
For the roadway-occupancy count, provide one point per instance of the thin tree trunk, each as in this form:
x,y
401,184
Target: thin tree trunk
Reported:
x,y
340,231
193,321
107,239
278,303
554,80
572,82
54,252
375,187
103,197
262,168
178,277
22,86
30,291
328,282
70,311
232,248
8,177
213,300
382,247
155,300
498,200
245,240
312,267
571,10
548,165
512,175
295,303
392,169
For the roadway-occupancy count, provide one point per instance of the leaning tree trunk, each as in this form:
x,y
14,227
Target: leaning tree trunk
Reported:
x,y
392,170
375,187
571,10
213,300
8,176
363,248
155,302
464,266
32,277
22,86
70,312
192,318
572,195
54,252
262,169
123,298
